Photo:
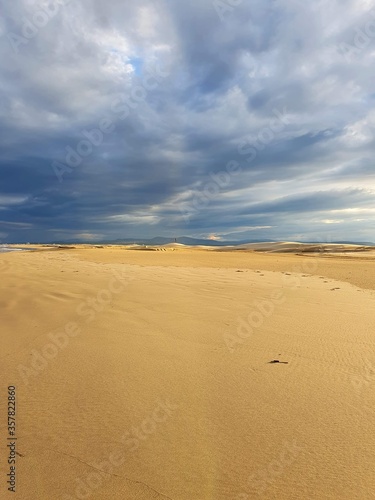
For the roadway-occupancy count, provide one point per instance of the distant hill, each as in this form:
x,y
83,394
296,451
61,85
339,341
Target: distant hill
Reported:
x,y
186,240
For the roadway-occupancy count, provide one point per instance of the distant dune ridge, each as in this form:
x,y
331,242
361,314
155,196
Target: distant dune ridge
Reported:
x,y
186,240
291,246
268,246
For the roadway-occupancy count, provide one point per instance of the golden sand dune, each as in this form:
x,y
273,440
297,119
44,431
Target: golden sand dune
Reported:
x,y
189,374
294,247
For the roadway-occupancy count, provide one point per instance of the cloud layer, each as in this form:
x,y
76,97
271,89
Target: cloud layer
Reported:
x,y
155,117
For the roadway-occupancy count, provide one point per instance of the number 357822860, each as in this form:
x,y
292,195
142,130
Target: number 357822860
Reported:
x,y
11,410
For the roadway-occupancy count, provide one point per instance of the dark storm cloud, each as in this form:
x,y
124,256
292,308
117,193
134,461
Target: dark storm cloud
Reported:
x,y
140,104
315,202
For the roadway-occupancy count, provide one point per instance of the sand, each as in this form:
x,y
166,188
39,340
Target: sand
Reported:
x,y
149,374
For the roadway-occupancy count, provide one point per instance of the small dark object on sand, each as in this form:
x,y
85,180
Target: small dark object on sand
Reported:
x,y
277,361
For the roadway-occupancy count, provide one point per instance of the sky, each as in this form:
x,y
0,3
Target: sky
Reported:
x,y
221,119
